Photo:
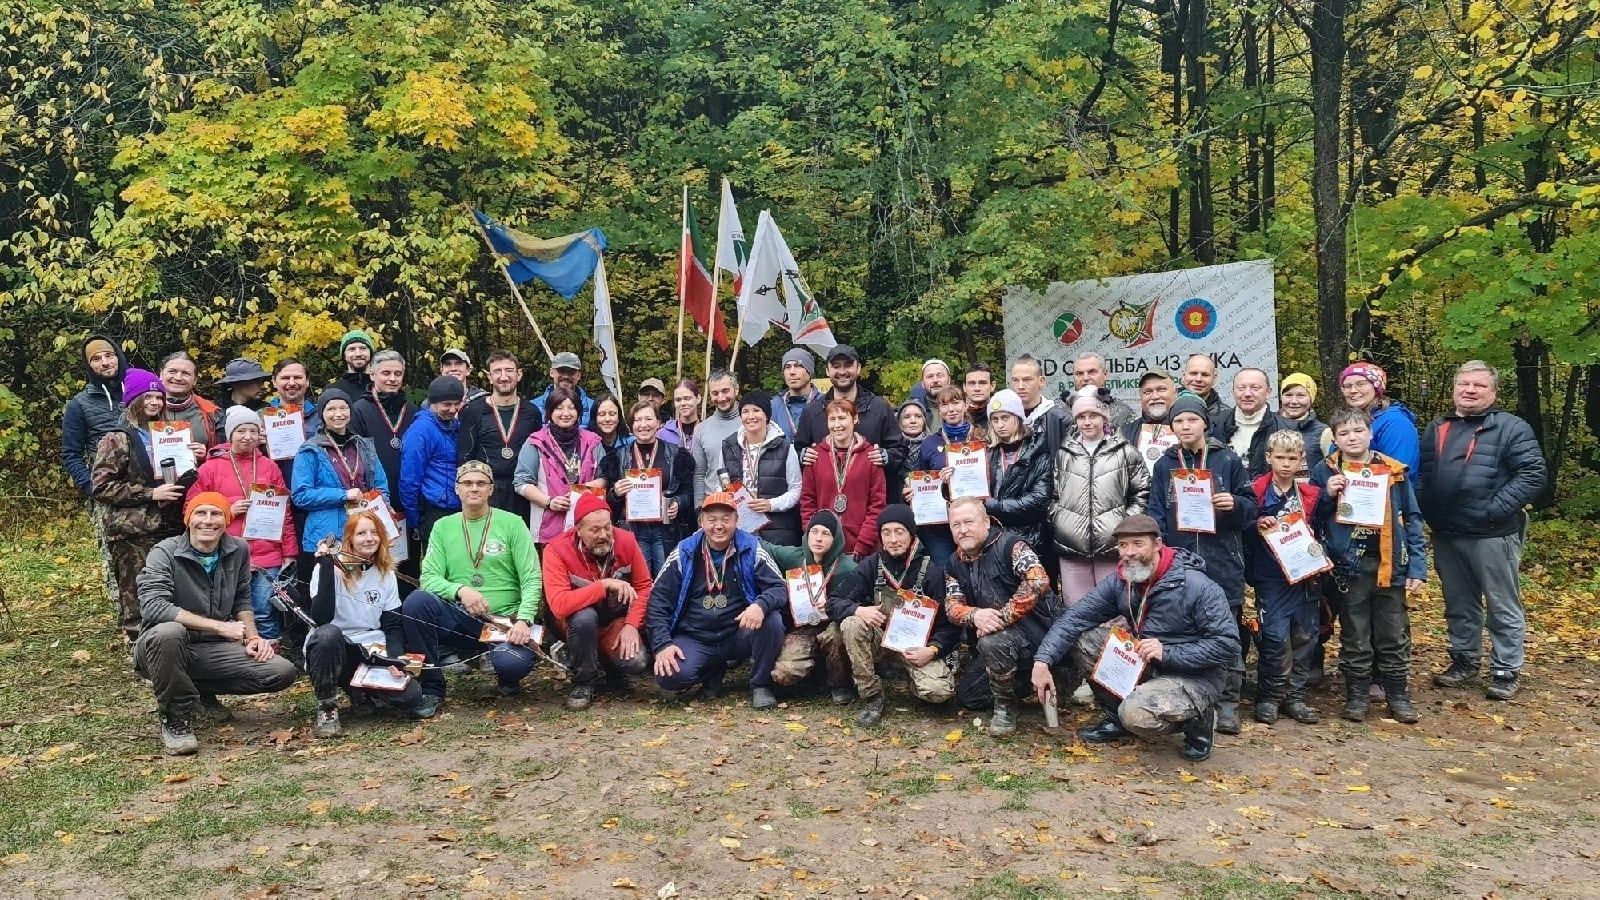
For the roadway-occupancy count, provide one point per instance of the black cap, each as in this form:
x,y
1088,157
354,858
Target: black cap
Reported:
x,y
759,399
846,351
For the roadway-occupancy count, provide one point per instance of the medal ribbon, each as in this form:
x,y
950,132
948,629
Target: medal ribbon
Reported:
x,y
1137,616
715,579
483,539
639,460
352,475
394,427
840,471
505,433
239,473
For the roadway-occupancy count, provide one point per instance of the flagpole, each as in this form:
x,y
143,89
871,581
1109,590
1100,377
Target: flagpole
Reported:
x,y
683,277
515,291
711,319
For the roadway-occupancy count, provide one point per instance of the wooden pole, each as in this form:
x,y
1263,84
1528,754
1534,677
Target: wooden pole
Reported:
x,y
515,292
683,279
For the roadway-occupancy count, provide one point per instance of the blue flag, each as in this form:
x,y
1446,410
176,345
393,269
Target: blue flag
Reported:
x,y
563,263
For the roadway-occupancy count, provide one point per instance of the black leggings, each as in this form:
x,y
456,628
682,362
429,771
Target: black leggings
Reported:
x,y
331,660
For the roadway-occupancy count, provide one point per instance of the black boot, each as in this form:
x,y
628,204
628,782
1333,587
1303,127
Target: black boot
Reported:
x,y
1108,732
1199,734
1356,701
1004,720
1461,671
1397,693
871,711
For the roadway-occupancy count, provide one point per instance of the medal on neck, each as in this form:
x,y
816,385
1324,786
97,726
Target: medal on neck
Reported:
x,y
841,502
483,544
506,452
716,579
393,426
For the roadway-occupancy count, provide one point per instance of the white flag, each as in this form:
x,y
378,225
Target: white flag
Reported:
x,y
774,293
732,251
605,336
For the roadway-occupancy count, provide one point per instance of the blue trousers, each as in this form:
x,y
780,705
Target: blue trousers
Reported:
x,y
704,663
266,614
655,542
1290,619
431,623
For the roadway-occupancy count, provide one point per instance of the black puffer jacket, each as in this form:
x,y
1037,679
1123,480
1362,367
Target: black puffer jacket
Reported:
x,y
1255,461
1022,482
1478,472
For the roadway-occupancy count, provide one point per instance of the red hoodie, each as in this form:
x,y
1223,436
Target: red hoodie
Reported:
x,y
865,491
572,577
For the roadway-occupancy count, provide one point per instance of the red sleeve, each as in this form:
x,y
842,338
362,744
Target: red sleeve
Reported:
x,y
642,584
562,598
808,490
877,494
204,480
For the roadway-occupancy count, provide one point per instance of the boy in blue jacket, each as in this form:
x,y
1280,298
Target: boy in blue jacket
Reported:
x,y
1235,505
1375,568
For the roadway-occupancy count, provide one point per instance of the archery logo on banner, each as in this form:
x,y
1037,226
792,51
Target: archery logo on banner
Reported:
x,y
1144,322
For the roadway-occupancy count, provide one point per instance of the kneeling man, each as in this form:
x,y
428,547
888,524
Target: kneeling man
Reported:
x,y
198,635
1181,626
719,600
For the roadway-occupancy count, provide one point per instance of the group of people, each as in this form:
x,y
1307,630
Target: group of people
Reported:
x,y
987,545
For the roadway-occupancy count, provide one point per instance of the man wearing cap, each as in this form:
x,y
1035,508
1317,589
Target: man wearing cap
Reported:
x,y
935,378
1180,626
1090,369
1150,432
723,422
495,426
428,459
652,391
789,405
996,586
717,602
481,563
94,410
597,584
875,421
863,601
566,370
355,351
1245,426
1200,379
198,636
243,383
456,363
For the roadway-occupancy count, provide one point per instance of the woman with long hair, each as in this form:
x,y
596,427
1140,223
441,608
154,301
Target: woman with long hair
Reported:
x,y
607,420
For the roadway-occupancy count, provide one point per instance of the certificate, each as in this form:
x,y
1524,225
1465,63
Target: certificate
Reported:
x,y
806,595
970,461
497,628
573,496
1119,669
1191,489
1296,549
286,431
372,501
749,519
644,500
1365,498
171,440
910,623
264,520
928,506
379,678
1154,439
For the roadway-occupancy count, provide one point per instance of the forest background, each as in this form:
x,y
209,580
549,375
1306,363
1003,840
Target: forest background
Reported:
x,y
245,178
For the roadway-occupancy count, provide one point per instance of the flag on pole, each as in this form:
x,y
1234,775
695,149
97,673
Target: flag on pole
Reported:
x,y
695,284
732,251
605,334
563,263
774,293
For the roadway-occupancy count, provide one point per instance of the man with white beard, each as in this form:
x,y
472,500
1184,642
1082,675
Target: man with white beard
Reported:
x,y
1150,432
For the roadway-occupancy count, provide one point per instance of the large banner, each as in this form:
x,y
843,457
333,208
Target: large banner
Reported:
x,y
1143,322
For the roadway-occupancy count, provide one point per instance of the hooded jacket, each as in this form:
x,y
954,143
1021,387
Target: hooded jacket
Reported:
x,y
877,424
917,571
865,490
1223,552
90,415
319,490
835,565
1394,434
123,479
585,404
1095,491
788,410
367,420
1406,555
1022,488
760,584
1185,611
1478,472
428,466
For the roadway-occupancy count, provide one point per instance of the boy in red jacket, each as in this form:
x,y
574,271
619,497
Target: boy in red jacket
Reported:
x,y
596,586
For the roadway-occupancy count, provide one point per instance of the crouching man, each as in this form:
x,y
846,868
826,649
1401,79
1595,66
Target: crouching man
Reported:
x,y
1181,627
198,634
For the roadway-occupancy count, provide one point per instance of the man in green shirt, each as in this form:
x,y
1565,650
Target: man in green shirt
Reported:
x,y
481,566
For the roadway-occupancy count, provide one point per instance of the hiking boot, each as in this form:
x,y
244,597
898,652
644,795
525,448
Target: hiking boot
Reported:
x,y
1401,709
177,736
710,691
209,709
871,711
1004,720
1459,673
451,664
1300,712
509,688
1108,732
843,696
762,698
1356,702
1266,712
327,724
427,707
1503,686
580,697
1227,718
1199,736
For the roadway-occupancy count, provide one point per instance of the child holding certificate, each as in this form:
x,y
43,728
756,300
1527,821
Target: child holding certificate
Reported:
x,y
1374,565
1021,477
1283,559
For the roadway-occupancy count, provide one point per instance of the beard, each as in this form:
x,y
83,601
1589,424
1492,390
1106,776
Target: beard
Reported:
x,y
1138,572
1156,411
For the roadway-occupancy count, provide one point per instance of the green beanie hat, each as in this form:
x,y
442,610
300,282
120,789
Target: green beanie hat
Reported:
x,y
355,335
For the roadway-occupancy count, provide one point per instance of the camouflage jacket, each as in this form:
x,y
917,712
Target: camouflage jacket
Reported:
x,y
121,480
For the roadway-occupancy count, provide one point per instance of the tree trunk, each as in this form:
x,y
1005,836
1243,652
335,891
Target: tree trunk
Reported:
x,y
1202,227
1327,42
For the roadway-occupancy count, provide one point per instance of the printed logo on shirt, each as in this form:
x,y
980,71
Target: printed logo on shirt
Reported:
x,y
493,547
370,598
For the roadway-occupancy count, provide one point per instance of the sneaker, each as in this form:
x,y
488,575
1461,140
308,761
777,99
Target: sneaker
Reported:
x,y
871,711
426,708
711,691
1503,686
177,736
1299,711
1108,732
843,696
452,665
327,724
1199,735
1266,712
209,709
1227,718
580,697
1459,673
761,698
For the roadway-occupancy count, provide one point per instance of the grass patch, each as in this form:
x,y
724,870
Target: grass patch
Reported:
x,y
799,809
1245,883
1009,886
914,786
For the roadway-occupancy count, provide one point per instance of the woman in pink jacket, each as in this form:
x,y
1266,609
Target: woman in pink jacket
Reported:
x,y
558,458
233,471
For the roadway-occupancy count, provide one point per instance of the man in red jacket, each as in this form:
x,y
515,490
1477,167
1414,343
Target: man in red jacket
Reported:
x,y
596,585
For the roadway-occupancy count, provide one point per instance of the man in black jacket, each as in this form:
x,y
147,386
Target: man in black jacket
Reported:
x,y
877,422
863,601
495,426
1480,466
355,351
1180,627
1246,426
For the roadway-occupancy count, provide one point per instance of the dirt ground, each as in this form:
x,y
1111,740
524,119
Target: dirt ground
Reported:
x,y
645,797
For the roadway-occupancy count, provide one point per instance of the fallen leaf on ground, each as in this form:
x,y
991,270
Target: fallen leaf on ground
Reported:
x,y
414,736
177,778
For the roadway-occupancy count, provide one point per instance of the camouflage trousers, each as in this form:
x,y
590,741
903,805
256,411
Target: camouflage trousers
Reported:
x,y
127,561
801,648
97,517
1160,705
863,645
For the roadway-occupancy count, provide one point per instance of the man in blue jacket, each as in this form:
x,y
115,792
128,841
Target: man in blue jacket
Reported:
x,y
428,459
90,414
718,601
1180,626
1480,466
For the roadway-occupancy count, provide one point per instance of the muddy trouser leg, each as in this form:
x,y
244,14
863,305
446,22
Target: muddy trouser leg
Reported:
x,y
1001,653
1233,685
972,689
1355,626
1163,705
830,646
127,561
325,662
1303,626
863,650
583,645
934,682
798,657
1085,655
1391,636
1275,604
